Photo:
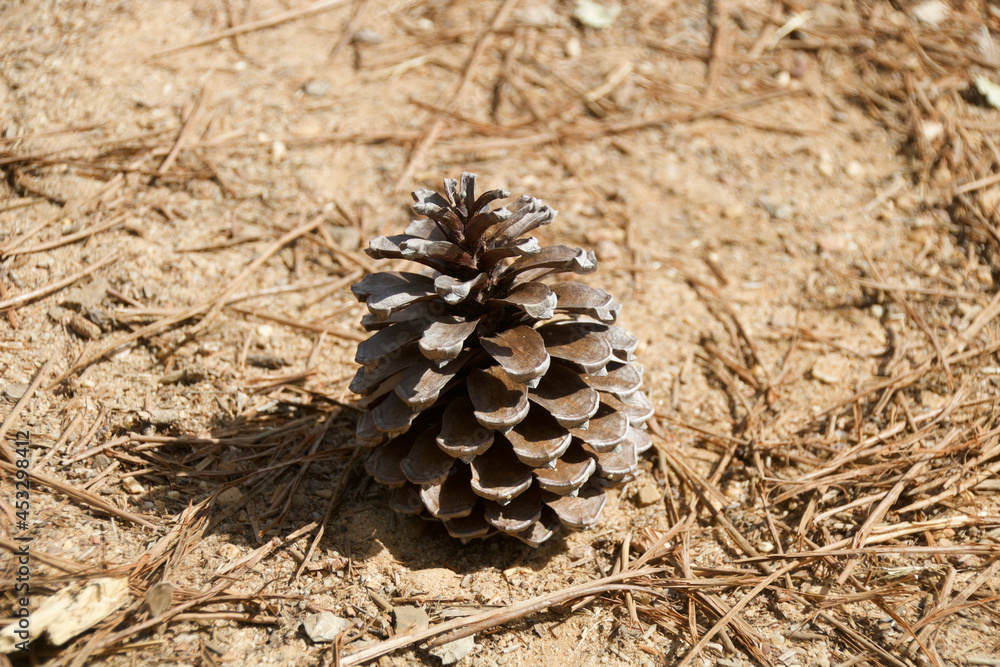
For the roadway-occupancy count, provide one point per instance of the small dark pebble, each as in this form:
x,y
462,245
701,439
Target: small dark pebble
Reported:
x,y
266,360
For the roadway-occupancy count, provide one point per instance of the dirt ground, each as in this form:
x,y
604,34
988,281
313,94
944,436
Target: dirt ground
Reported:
x,y
795,202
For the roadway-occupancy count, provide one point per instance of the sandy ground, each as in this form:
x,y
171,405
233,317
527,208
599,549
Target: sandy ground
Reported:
x,y
738,190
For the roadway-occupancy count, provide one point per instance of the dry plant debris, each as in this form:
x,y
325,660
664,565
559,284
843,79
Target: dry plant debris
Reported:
x,y
803,200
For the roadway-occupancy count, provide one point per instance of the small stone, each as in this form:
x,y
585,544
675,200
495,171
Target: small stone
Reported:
x,y
366,36
734,211
765,547
101,461
876,310
410,619
266,360
776,210
83,327
325,494
230,551
452,652
324,626
229,496
278,151
607,250
854,169
133,486
87,295
830,368
825,165
595,15
348,238
163,416
317,87
15,390
931,130
173,377
832,243
59,314
932,12
572,48
647,493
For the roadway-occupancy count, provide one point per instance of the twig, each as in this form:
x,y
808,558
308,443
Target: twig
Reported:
x,y
57,285
82,496
72,238
433,131
270,22
71,207
349,29
463,627
186,130
16,410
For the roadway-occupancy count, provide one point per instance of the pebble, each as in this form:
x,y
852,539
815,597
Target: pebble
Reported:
x,y
317,87
410,619
83,327
734,211
324,626
607,250
452,652
931,129
366,36
931,12
647,493
133,486
15,390
229,496
59,314
854,169
776,210
265,331
830,368
825,165
87,295
163,416
572,49
159,597
230,551
832,242
348,238
266,360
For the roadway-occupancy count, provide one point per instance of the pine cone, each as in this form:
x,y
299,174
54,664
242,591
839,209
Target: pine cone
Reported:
x,y
495,402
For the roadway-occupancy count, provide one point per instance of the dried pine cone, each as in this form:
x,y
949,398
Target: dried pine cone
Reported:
x,y
496,402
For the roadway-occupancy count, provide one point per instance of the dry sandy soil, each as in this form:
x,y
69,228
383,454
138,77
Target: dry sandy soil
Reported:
x,y
794,202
